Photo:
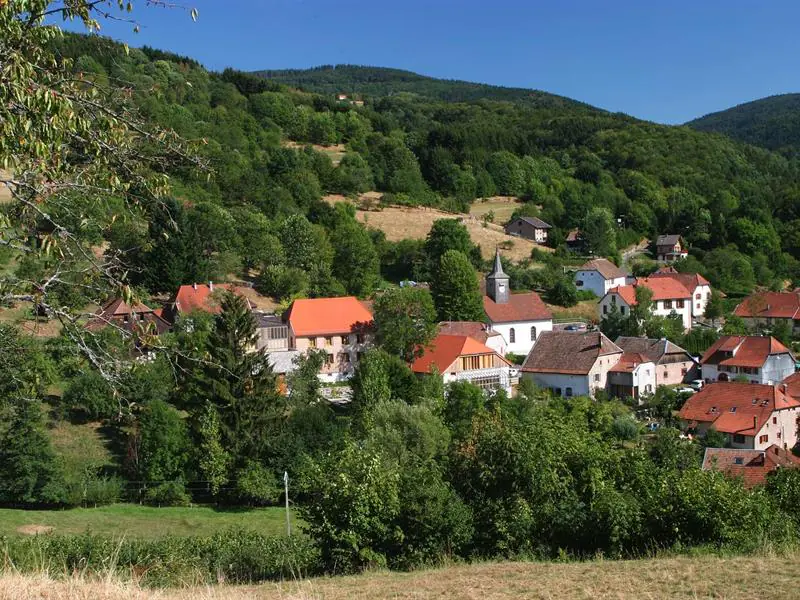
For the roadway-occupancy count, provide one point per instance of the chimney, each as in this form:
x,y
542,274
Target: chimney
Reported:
x,y
755,425
194,286
783,388
210,286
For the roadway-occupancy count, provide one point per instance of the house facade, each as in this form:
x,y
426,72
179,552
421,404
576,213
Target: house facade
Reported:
x,y
462,358
760,359
599,276
670,248
763,310
530,228
519,318
137,318
634,376
751,415
341,327
698,287
673,364
571,364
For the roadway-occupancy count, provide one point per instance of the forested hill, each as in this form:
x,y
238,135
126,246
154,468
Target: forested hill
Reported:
x,y
380,81
737,205
772,123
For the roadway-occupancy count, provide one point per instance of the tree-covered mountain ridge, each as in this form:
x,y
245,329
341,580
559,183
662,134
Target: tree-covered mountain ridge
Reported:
x,y
386,81
772,122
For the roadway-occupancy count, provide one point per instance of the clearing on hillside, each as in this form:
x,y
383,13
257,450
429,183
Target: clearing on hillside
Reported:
x,y
336,151
406,222
687,578
502,207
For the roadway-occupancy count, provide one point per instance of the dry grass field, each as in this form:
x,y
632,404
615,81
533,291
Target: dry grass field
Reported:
x,y
745,578
336,152
501,206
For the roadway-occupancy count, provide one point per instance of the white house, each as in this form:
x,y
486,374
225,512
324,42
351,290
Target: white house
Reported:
x,y
697,285
571,364
758,358
519,318
462,358
669,296
599,276
634,376
753,416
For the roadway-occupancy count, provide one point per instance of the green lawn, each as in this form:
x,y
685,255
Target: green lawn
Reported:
x,y
132,520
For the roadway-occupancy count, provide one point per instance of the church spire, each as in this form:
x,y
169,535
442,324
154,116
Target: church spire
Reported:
x,y
497,282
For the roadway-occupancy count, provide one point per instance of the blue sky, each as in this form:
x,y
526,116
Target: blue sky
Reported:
x,y
668,61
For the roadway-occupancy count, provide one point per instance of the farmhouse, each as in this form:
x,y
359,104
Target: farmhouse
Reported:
x,y
599,276
519,318
760,359
751,466
137,318
462,358
571,364
751,415
530,228
769,308
669,296
673,364
670,248
342,327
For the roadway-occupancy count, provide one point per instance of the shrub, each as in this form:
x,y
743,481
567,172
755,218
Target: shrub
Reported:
x,y
257,485
171,493
625,428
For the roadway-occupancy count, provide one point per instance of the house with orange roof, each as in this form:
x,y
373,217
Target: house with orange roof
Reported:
x,y
698,286
760,359
765,309
462,358
634,376
751,466
197,297
751,415
476,330
341,327
519,318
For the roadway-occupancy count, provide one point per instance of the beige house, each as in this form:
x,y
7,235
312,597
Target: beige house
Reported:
x,y
571,364
341,327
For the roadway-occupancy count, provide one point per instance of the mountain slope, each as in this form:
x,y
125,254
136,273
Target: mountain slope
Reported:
x,y
379,81
772,123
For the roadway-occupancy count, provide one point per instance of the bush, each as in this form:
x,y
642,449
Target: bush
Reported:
x,y
90,393
625,428
586,295
92,490
257,485
171,493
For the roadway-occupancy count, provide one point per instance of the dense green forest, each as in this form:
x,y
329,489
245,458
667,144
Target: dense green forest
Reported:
x,y
381,81
772,123
574,166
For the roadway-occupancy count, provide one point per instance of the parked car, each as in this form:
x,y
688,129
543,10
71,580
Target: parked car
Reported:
x,y
697,384
572,328
685,390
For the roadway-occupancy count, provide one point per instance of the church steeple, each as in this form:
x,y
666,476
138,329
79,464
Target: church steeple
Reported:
x,y
497,282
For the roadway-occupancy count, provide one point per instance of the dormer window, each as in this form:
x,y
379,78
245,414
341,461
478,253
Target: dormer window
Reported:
x,y
733,409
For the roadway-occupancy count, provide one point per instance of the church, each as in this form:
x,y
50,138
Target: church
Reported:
x,y
519,318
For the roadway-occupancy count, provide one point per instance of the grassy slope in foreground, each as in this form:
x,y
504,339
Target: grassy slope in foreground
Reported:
x,y
132,520
745,578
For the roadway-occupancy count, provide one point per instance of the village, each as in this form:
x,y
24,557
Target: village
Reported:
x,y
743,386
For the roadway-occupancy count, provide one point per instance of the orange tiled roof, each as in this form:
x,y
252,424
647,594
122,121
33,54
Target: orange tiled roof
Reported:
x,y
792,383
663,288
749,351
629,361
776,305
198,296
752,466
689,280
473,329
327,316
732,407
445,349
520,307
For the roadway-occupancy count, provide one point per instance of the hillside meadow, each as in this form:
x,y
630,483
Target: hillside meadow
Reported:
x,y
670,579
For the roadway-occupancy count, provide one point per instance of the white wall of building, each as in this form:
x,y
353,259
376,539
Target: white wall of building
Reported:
x,y
578,385
775,369
700,298
593,281
523,341
661,308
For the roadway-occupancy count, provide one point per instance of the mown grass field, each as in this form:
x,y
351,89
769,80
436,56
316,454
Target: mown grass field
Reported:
x,y
775,577
502,207
132,520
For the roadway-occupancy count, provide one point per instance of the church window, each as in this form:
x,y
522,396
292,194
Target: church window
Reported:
x,y
512,336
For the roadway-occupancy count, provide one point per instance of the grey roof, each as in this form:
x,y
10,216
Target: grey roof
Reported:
x,y
267,320
652,348
668,240
605,267
282,361
567,352
536,222
497,268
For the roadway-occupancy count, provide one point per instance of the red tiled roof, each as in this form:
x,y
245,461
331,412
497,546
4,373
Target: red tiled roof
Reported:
x,y
629,361
749,351
119,313
445,349
731,407
473,329
776,305
199,296
626,292
520,307
689,280
568,352
663,288
752,466
605,267
792,383
325,316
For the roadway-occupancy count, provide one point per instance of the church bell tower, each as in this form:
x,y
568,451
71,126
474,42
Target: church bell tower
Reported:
x,y
497,282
